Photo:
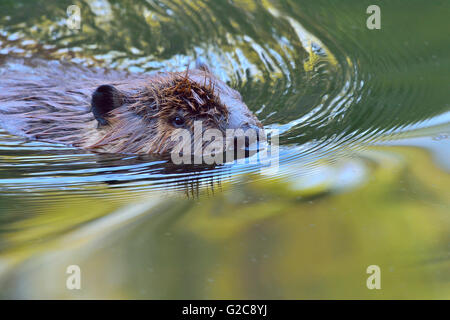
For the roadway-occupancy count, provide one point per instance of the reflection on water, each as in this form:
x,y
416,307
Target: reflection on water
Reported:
x,y
251,240
363,177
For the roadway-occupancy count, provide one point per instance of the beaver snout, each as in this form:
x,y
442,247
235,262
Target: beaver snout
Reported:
x,y
248,126
239,116
252,130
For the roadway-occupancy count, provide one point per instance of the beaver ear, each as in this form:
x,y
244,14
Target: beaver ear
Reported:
x,y
105,99
202,65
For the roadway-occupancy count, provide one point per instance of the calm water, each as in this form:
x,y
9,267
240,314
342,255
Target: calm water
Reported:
x,y
363,177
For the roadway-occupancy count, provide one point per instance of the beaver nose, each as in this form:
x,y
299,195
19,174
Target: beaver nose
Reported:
x,y
252,135
246,126
258,130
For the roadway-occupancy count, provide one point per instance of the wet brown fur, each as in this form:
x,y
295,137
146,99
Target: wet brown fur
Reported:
x,y
55,107
161,100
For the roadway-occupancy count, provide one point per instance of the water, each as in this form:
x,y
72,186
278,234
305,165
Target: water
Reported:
x,y
364,122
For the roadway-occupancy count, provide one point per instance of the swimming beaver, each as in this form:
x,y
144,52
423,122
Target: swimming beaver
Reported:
x,y
137,114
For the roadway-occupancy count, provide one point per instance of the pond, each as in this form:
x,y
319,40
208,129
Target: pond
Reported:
x,y
363,117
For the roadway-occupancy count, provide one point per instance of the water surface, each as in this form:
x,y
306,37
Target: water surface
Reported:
x,y
363,117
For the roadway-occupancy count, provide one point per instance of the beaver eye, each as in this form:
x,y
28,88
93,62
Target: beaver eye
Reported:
x,y
178,121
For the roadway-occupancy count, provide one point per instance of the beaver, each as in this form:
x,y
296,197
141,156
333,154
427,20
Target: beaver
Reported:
x,y
136,113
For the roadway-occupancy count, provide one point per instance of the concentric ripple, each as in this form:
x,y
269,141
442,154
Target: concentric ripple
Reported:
x,y
329,86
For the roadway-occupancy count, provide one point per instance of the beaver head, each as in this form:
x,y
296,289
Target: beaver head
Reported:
x,y
143,118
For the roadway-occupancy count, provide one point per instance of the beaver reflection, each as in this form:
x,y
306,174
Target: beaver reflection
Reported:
x,y
158,172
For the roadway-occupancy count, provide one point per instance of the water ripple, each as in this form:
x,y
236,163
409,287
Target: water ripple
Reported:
x,y
328,88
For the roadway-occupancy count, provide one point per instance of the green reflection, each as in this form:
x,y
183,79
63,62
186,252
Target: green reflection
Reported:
x,y
311,69
260,240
